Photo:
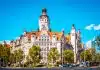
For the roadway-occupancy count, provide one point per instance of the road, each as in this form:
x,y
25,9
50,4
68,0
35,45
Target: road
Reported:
x,y
74,68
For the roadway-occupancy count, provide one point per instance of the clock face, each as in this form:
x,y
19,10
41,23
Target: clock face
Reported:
x,y
43,27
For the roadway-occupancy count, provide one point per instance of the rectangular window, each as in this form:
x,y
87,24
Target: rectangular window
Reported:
x,y
44,44
50,43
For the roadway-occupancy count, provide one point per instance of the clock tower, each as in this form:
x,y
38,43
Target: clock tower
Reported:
x,y
73,42
44,21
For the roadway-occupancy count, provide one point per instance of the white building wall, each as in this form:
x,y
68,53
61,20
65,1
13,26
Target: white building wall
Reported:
x,y
59,46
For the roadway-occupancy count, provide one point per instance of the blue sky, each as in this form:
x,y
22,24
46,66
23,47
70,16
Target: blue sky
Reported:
x,y
18,15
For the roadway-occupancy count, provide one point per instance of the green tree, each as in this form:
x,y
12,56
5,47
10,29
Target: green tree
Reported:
x,y
28,63
11,59
1,50
34,54
95,43
92,52
97,57
86,55
53,55
68,56
4,51
18,56
4,54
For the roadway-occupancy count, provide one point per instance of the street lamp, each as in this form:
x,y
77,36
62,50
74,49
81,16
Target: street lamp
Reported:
x,y
0,61
62,45
47,55
84,53
23,59
61,52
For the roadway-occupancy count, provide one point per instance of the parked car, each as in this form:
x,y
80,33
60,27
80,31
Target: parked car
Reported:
x,y
75,65
94,64
82,64
66,65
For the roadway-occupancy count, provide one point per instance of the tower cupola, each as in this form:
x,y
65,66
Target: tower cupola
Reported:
x,y
73,26
44,11
44,21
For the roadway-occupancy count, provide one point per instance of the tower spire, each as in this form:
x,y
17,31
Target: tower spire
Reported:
x,y
79,31
44,11
73,26
63,31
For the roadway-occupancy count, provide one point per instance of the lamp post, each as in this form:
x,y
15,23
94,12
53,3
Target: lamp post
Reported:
x,y
0,61
84,54
61,52
23,59
47,57
62,45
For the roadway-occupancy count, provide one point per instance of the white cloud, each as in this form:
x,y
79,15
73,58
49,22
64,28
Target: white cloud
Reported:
x,y
93,26
88,44
97,27
89,27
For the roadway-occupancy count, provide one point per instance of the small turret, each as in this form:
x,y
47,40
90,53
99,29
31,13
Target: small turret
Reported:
x,y
63,38
11,43
73,30
25,32
63,31
78,35
4,42
78,31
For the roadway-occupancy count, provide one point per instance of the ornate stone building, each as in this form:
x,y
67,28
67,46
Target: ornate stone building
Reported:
x,y
47,39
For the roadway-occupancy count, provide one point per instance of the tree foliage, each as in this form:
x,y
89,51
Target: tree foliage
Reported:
x,y
53,55
16,57
34,54
12,59
4,51
18,54
68,56
97,57
86,55
4,54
